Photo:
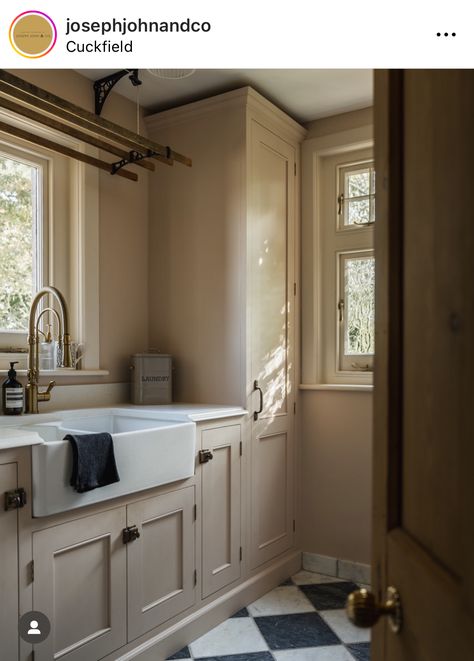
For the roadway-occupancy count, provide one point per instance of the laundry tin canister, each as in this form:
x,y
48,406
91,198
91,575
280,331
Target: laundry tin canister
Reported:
x,y
151,378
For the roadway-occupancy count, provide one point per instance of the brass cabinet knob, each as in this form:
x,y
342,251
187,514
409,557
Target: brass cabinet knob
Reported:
x,y
363,610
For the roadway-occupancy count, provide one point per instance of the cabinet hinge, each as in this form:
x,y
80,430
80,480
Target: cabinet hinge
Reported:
x,y
195,512
240,448
240,554
294,525
32,571
294,408
195,577
15,499
294,289
295,169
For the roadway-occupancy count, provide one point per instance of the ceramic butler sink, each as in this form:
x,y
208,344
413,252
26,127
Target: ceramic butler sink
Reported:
x,y
149,452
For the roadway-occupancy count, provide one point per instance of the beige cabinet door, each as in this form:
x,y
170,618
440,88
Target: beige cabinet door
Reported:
x,y
220,508
161,561
424,435
9,607
80,584
271,228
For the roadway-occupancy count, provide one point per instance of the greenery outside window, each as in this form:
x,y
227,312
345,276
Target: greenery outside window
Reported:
x,y
356,308
22,245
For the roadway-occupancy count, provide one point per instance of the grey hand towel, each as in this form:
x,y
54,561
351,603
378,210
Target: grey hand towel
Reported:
x,y
93,461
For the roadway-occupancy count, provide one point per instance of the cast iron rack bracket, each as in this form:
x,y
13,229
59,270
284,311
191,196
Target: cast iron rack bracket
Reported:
x,y
103,86
26,100
134,156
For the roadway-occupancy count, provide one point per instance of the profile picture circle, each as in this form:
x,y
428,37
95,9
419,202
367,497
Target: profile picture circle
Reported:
x,y
34,627
33,34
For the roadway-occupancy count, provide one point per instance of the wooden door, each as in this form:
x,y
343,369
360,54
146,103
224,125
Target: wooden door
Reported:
x,y
161,579
271,286
9,606
220,509
424,436
79,584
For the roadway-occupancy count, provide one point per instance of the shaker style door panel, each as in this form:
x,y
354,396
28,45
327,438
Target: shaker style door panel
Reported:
x,y
79,583
161,561
272,495
271,246
221,509
9,607
271,389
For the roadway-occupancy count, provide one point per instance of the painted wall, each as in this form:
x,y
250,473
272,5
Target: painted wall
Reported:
x,y
123,236
336,430
335,426
342,122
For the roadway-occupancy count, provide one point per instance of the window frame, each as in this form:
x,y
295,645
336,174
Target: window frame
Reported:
x,y
334,241
346,362
344,202
73,260
319,360
17,338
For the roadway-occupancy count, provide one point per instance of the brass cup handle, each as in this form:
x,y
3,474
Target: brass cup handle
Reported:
x,y
256,387
363,610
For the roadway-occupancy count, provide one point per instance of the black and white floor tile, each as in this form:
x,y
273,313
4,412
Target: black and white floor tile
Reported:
x,y
301,620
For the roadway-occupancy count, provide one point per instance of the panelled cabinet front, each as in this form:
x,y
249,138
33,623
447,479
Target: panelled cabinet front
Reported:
x,y
221,508
161,561
89,582
271,241
235,280
9,607
80,584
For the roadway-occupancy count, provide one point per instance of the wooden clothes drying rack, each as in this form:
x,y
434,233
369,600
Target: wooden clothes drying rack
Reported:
x,y
35,103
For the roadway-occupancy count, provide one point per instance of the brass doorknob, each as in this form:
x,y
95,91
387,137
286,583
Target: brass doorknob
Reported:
x,y
363,610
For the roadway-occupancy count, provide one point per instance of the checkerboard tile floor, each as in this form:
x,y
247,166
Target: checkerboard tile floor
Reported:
x,y
301,620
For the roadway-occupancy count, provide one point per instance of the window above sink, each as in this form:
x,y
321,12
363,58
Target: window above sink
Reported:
x,y
49,211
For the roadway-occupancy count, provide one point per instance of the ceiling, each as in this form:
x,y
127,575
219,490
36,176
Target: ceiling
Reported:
x,y
305,94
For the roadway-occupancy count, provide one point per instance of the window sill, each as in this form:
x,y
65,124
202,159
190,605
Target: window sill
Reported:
x,y
348,387
65,372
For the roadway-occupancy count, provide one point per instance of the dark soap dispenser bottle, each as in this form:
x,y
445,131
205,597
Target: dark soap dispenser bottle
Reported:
x,y
12,394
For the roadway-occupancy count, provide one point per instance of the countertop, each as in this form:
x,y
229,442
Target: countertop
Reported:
x,y
12,435
192,412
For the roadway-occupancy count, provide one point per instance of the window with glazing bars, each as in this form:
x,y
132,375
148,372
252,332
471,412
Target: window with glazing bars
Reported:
x,y
355,267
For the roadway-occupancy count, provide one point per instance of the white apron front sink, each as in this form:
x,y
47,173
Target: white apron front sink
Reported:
x,y
149,452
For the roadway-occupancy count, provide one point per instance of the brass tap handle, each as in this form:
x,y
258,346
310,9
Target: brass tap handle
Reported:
x,y
363,610
46,395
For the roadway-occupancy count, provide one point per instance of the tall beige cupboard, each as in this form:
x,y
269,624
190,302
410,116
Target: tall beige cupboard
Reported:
x,y
223,289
